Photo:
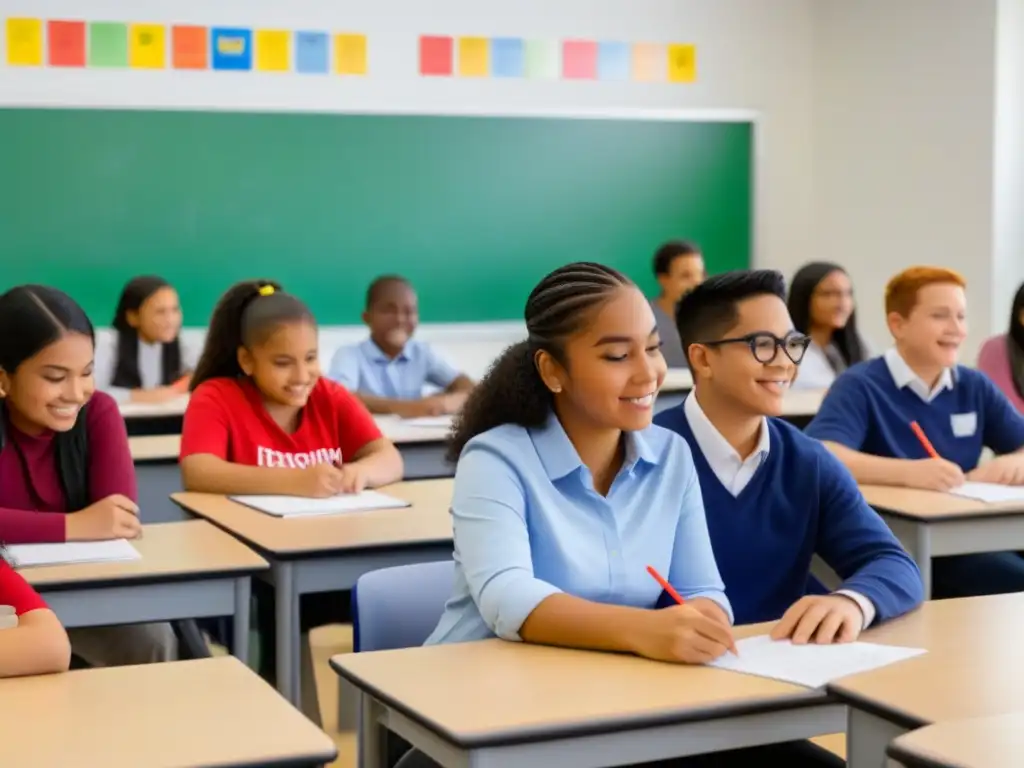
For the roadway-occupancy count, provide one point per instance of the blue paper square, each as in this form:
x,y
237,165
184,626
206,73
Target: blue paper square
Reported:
x,y
507,58
231,49
312,53
613,61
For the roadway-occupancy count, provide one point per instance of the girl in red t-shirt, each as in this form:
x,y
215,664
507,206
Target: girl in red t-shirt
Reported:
x,y
32,640
261,420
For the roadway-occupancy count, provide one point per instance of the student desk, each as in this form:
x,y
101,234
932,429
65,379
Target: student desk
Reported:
x,y
548,706
156,468
204,713
328,553
422,447
154,419
188,570
678,381
983,742
931,524
972,669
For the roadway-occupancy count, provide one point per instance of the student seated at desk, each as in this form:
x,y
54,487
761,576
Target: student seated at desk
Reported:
x,y
262,420
32,640
1002,357
865,419
565,492
389,370
744,352
66,471
678,268
821,306
145,360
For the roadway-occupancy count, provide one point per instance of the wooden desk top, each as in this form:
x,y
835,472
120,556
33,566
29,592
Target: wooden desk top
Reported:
x,y
677,380
972,667
986,742
401,432
803,402
207,712
535,691
155,447
174,407
188,549
932,506
427,521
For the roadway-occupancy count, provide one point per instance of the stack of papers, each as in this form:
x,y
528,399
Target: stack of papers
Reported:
x,y
990,492
810,665
297,506
29,555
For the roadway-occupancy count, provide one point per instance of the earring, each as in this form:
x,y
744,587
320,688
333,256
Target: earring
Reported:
x,y
556,390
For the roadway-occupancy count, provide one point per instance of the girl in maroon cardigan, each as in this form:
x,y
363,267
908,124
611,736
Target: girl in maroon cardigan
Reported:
x,y
66,471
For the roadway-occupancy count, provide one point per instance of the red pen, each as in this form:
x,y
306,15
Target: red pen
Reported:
x,y
924,440
675,595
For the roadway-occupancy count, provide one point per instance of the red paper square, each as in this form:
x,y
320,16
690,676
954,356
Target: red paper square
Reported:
x,y
436,55
579,60
65,43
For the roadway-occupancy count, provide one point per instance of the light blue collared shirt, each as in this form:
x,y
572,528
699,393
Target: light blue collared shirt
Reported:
x,y
528,524
365,368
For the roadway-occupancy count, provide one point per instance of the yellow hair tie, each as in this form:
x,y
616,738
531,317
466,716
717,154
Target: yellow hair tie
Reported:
x,y
267,290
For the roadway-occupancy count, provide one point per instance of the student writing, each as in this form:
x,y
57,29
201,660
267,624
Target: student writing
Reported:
x,y
66,470
37,644
865,418
145,360
1002,357
678,268
262,420
390,370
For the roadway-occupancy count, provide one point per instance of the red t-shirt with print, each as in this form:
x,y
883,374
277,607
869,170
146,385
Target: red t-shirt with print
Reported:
x,y
16,592
226,418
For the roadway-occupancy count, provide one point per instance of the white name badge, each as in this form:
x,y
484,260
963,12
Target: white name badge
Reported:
x,y
964,424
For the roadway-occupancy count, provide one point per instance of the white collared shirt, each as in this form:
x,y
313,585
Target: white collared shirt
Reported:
x,y
904,377
735,472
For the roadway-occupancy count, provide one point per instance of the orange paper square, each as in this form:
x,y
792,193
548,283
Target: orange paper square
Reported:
x,y
190,47
648,62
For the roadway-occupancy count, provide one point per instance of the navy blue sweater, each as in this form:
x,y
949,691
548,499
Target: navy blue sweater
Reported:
x,y
801,501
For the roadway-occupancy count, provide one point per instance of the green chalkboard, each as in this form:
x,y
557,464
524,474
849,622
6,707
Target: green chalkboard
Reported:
x,y
474,210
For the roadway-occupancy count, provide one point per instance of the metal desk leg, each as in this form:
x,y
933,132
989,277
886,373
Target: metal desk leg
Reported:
x,y
923,556
240,631
373,737
286,608
867,738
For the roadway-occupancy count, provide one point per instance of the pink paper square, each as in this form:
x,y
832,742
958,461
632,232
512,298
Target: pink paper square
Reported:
x,y
579,60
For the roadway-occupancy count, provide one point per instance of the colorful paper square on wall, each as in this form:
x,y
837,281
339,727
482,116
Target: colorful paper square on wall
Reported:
x,y
435,55
542,59
350,54
231,49
312,53
613,61
190,47
579,60
147,46
507,59
108,44
66,43
474,57
682,63
25,42
273,50
649,62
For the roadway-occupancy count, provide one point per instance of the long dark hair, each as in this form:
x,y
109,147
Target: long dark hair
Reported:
x,y
243,317
126,366
1015,342
512,391
32,318
846,339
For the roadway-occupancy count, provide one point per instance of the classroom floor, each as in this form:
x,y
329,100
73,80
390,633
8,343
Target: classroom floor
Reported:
x,y
328,641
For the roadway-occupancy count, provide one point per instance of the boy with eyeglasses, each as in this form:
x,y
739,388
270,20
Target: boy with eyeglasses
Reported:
x,y
774,497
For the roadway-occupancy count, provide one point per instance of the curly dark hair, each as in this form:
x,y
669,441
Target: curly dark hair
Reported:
x,y
512,391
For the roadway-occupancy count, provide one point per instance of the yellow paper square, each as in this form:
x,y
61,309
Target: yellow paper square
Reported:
x,y
25,42
350,54
273,50
682,63
474,57
147,46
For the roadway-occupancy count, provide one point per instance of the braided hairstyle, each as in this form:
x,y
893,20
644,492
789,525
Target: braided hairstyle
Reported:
x,y
512,391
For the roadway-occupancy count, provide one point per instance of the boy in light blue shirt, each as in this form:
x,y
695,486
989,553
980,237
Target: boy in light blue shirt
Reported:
x,y
389,370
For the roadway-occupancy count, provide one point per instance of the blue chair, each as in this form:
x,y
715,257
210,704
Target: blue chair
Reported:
x,y
399,607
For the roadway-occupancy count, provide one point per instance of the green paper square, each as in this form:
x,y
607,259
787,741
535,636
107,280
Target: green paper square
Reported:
x,y
108,44
542,59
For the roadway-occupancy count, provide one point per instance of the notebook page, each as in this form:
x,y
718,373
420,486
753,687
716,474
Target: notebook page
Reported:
x,y
428,421
28,555
297,506
809,665
990,492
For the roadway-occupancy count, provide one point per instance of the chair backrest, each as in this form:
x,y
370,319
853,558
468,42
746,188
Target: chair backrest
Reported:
x,y
399,607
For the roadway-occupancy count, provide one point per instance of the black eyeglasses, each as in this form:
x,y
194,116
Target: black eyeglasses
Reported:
x,y
765,346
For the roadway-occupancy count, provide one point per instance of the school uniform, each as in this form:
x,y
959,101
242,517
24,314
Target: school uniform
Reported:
x,y
364,368
995,361
226,418
33,509
870,408
668,332
151,365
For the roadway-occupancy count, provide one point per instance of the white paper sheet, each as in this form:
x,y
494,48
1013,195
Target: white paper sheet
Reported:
x,y
990,492
428,421
28,555
296,506
810,665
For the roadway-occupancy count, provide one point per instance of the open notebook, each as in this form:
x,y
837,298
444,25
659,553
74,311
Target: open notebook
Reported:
x,y
990,492
296,506
28,555
810,665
